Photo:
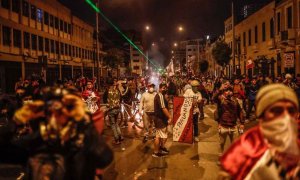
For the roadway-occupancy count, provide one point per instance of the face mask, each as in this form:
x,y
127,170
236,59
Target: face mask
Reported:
x,y
151,90
282,134
27,102
164,92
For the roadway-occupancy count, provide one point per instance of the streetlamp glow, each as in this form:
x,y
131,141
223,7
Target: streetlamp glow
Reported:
x,y
180,29
147,28
175,44
153,44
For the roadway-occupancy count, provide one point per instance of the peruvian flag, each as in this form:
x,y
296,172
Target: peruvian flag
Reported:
x,y
182,120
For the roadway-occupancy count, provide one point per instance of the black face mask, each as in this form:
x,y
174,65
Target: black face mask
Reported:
x,y
164,92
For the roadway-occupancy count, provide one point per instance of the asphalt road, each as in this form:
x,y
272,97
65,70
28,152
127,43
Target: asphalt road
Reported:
x,y
133,158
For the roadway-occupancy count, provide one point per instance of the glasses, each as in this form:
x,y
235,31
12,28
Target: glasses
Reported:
x,y
279,110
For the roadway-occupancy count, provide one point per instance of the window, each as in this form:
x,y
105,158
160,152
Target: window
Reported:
x,y
17,38
46,18
80,52
39,13
69,28
77,53
136,60
52,46
66,49
263,31
62,48
65,27
26,40
136,55
47,45
278,22
57,47
6,36
249,37
33,42
61,25
16,6
73,51
25,8
56,23
289,17
33,12
272,28
136,67
70,52
255,34
244,39
51,20
5,4
41,43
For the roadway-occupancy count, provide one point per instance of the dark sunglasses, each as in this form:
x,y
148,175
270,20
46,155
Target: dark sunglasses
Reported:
x,y
278,110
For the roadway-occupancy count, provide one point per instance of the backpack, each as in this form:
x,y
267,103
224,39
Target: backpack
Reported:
x,y
46,166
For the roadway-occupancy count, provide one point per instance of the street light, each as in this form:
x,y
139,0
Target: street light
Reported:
x,y
153,44
175,44
147,28
180,29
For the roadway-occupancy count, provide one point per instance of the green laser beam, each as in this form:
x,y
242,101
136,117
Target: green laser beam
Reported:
x,y
119,31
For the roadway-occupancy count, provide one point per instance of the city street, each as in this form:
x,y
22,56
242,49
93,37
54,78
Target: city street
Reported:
x,y
88,88
185,161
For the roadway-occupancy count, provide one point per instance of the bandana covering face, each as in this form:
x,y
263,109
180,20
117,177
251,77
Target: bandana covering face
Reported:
x,y
281,134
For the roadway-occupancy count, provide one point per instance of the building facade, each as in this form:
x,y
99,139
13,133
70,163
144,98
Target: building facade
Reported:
x,y
43,37
266,42
137,60
188,55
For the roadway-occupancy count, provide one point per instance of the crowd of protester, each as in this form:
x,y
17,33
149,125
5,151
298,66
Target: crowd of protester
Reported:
x,y
60,124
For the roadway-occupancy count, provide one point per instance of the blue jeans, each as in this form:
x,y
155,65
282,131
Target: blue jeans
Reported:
x,y
113,117
195,124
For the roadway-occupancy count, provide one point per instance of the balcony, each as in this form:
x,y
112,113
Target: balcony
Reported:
x,y
271,44
255,48
288,35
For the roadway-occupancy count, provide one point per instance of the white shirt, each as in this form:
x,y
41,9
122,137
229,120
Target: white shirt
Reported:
x,y
189,93
147,102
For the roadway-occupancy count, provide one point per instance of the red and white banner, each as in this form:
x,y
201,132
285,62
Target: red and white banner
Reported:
x,y
182,120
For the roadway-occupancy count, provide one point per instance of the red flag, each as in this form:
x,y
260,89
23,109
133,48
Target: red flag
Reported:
x,y
98,118
182,120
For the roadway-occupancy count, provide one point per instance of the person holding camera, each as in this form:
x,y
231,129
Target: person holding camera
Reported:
x,y
231,112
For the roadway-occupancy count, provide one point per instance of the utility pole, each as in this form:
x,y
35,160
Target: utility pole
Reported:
x,y
97,47
233,36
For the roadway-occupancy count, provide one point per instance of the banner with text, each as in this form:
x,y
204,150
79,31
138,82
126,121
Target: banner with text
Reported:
x,y
182,120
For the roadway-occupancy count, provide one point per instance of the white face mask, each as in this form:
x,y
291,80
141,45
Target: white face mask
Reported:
x,y
27,102
151,90
282,134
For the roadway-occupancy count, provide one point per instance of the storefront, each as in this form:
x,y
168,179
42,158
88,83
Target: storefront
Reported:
x,y
10,73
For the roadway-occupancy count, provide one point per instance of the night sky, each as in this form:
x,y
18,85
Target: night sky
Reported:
x,y
198,17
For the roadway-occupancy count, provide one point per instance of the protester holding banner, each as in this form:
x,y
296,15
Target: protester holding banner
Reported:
x,y
161,121
197,99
